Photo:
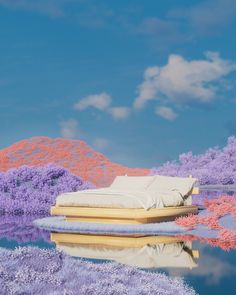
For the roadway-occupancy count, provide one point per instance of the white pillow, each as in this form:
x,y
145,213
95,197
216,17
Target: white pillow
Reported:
x,y
139,183
181,184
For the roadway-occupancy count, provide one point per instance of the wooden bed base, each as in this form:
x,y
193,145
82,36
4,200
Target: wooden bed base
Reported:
x,y
127,216
123,215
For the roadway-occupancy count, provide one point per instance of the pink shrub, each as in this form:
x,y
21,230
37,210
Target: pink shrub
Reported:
x,y
227,235
188,222
221,206
211,221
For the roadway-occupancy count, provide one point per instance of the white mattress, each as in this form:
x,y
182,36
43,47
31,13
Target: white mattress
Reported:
x,y
155,256
110,198
134,192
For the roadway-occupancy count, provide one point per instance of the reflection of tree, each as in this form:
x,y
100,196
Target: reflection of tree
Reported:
x,y
30,270
21,229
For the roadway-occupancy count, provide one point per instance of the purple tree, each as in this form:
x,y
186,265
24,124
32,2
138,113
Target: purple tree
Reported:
x,y
32,190
215,166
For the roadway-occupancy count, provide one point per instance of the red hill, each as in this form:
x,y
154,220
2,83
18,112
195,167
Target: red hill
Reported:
x,y
75,155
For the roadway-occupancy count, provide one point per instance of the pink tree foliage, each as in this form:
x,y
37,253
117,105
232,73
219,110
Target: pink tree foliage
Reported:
x,y
217,208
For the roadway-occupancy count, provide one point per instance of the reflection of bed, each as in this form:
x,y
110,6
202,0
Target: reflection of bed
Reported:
x,y
130,200
144,252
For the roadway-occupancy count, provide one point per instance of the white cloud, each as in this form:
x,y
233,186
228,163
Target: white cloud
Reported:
x,y
166,30
99,101
69,128
208,16
101,143
102,102
182,81
166,113
119,113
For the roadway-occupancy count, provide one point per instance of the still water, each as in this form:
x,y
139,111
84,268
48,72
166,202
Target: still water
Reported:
x,y
209,270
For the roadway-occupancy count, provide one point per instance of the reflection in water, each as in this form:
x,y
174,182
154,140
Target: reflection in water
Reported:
x,y
143,252
211,194
21,229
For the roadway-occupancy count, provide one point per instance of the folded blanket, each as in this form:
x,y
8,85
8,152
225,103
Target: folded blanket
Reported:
x,y
111,198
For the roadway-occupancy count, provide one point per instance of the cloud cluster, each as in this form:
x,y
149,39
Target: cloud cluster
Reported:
x,y
177,83
182,82
102,102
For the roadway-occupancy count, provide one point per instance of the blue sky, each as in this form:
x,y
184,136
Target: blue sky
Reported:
x,y
140,81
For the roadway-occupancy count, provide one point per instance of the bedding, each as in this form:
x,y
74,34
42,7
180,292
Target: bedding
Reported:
x,y
137,183
108,198
183,185
148,256
133,192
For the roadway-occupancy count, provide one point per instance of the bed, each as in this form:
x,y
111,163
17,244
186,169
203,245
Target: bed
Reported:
x,y
130,199
144,252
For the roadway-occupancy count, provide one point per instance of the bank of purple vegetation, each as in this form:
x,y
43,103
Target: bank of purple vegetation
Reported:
x,y
215,166
32,190
24,271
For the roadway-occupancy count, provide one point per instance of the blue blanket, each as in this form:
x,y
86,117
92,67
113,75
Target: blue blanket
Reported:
x,y
59,224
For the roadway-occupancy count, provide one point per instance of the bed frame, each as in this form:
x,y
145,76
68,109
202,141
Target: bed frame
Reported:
x,y
124,216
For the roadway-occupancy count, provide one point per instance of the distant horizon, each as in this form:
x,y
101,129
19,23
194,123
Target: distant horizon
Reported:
x,y
124,164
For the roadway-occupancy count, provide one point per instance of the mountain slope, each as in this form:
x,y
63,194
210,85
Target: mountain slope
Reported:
x,y
75,155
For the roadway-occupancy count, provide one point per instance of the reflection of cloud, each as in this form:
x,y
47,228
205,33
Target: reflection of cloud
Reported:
x,y
213,268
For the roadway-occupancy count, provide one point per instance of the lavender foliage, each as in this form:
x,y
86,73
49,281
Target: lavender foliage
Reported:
x,y
33,190
30,270
215,166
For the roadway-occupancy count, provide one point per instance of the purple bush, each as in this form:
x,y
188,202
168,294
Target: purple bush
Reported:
x,y
215,166
32,190
30,270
